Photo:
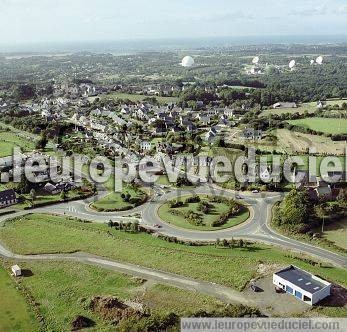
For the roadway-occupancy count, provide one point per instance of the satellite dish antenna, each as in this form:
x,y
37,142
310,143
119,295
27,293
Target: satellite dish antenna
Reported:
x,y
311,62
187,61
319,60
292,64
255,60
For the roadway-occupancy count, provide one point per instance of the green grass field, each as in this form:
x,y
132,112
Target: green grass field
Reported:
x,y
137,98
301,109
306,107
114,201
325,125
208,219
43,199
15,314
9,140
72,285
333,102
337,233
35,234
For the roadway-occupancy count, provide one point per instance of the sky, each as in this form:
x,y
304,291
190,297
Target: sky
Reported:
x,y
101,20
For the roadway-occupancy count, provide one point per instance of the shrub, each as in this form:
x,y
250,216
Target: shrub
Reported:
x,y
193,199
175,204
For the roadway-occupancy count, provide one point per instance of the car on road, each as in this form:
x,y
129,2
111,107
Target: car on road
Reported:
x,y
255,191
157,226
238,197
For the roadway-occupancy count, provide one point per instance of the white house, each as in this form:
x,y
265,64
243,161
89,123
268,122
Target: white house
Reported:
x,y
301,284
251,134
211,134
229,112
284,105
145,145
16,270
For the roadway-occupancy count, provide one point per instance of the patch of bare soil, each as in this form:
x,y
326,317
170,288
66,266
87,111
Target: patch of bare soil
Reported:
x,y
338,297
111,309
264,270
81,322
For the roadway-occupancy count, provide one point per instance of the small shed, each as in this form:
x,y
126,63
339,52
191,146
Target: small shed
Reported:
x,y
16,270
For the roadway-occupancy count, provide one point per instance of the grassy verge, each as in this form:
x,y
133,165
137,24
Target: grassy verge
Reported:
x,y
333,240
116,201
337,233
15,314
34,234
42,200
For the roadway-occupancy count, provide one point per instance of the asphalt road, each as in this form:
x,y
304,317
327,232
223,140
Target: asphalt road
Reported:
x,y
256,228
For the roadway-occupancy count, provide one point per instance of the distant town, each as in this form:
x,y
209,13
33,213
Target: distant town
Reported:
x,y
139,255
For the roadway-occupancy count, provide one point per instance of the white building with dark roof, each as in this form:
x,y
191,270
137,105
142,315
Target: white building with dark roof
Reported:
x,y
301,284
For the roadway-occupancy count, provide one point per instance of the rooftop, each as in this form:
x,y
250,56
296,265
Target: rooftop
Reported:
x,y
302,279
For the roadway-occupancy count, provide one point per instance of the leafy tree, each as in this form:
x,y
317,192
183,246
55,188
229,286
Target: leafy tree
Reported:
x,y
42,142
25,91
322,211
295,209
24,186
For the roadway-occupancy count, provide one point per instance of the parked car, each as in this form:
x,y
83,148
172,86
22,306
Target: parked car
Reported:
x,y
279,290
255,191
256,289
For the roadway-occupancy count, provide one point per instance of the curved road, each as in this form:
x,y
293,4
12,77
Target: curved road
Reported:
x,y
256,228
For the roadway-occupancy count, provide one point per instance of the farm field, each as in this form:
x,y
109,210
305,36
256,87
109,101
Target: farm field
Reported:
x,y
332,102
15,314
301,109
138,97
294,142
325,125
34,234
207,219
9,140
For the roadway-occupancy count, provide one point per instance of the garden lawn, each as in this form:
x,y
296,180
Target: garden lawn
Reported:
x,y
34,234
324,125
15,314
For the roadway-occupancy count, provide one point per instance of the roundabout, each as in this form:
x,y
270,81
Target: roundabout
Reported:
x,y
203,213
256,228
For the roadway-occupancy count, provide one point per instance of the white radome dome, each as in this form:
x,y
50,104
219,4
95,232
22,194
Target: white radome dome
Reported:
x,y
188,61
319,60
